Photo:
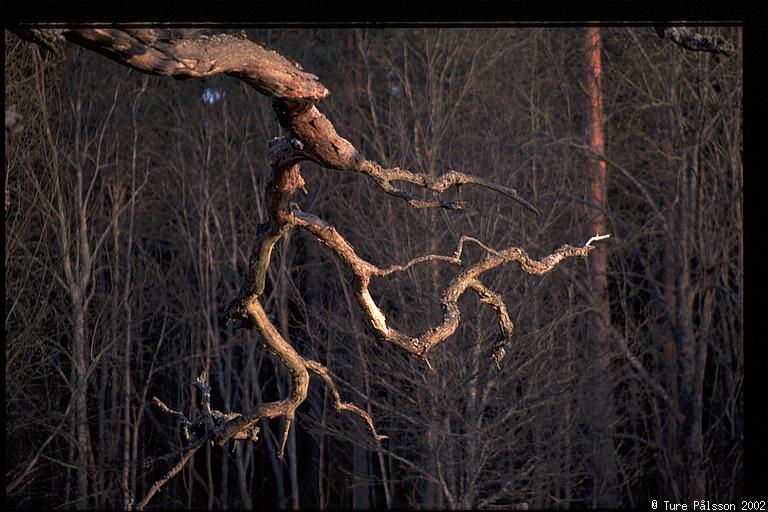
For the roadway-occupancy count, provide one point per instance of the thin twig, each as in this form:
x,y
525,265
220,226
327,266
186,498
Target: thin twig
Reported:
x,y
170,474
324,374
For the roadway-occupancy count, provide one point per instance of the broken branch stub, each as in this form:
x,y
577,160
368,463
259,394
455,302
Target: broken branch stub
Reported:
x,y
694,41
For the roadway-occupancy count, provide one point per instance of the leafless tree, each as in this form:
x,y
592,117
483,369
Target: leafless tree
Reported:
x,y
311,137
502,418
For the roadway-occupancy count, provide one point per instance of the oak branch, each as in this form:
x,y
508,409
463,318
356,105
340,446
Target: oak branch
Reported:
x,y
310,136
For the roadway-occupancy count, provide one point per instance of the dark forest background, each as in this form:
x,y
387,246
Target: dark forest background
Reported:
x,y
129,219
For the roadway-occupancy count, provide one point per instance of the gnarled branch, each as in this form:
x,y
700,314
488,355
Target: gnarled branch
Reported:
x,y
311,136
188,54
468,277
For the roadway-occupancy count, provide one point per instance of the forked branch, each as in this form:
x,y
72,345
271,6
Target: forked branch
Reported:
x,y
363,271
186,54
311,136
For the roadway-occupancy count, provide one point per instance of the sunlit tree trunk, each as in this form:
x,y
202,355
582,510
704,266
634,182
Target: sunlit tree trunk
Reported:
x,y
601,412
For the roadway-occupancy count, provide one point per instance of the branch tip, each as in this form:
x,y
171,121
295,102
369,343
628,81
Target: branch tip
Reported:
x,y
596,238
281,451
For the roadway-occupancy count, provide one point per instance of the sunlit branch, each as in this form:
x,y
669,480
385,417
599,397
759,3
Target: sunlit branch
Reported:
x,y
468,277
324,374
310,137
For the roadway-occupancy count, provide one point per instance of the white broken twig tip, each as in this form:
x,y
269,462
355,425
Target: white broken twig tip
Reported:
x,y
596,238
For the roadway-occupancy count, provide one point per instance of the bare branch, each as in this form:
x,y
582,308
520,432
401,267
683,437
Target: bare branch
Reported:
x,y
286,179
320,138
45,38
185,423
435,184
693,41
185,54
468,277
170,53
493,299
421,259
637,365
201,383
310,136
324,374
170,474
286,430
596,238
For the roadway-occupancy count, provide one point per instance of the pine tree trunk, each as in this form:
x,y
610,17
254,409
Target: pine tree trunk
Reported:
x,y
601,412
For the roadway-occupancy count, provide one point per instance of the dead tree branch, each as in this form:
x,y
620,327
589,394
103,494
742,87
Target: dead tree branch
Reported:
x,y
324,374
420,345
311,136
696,42
183,55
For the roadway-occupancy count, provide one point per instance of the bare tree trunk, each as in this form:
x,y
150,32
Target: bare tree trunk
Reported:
x,y
360,456
669,366
385,480
128,483
68,471
293,468
699,338
475,394
80,367
78,279
601,410
672,260
360,489
127,347
322,498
